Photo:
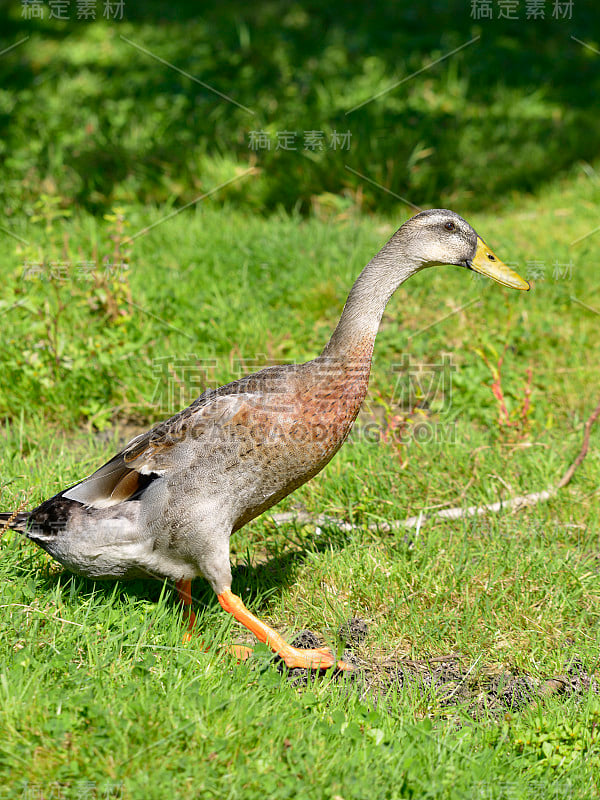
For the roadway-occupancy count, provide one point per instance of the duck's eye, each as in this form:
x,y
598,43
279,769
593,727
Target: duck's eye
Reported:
x,y
450,226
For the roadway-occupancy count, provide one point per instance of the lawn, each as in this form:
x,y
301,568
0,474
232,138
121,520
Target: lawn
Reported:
x,y
513,594
477,663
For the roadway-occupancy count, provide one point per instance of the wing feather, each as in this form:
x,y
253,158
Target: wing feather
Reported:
x,y
159,451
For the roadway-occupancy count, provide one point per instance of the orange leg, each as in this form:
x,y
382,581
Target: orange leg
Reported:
x,y
184,591
321,658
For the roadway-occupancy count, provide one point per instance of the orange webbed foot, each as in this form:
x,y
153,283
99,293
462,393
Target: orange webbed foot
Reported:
x,y
319,658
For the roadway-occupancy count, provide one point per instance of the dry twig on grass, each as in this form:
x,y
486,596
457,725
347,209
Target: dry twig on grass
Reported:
x,y
566,478
514,503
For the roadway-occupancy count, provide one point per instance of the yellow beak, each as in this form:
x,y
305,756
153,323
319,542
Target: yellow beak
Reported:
x,y
487,263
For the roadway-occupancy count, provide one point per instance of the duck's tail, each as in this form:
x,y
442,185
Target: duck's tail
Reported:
x,y
16,520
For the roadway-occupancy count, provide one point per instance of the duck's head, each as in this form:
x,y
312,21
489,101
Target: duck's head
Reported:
x,y
439,236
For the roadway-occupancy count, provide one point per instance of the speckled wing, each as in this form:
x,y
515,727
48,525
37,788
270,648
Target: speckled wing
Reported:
x,y
169,446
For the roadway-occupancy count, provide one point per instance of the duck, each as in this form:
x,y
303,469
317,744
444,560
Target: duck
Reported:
x,y
167,504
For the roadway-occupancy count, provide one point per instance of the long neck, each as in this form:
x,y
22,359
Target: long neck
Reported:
x,y
356,331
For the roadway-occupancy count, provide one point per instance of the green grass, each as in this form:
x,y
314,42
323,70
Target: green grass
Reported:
x,y
90,117
99,142
96,683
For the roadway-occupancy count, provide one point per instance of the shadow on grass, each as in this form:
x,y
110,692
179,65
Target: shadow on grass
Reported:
x,y
253,581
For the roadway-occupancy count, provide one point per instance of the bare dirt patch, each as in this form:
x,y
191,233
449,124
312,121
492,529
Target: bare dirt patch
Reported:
x,y
446,681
